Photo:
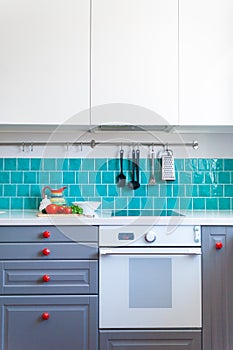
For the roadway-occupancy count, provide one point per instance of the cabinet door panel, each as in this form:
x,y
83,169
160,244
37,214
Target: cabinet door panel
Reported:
x,y
44,61
206,70
217,288
72,323
49,277
134,62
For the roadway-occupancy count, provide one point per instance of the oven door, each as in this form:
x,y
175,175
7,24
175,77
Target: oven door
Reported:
x,y
150,288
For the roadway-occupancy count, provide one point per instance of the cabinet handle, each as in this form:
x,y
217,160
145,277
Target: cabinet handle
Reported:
x,y
45,315
46,251
46,278
46,234
218,245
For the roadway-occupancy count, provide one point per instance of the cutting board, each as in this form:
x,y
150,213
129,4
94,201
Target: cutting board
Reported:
x,y
64,215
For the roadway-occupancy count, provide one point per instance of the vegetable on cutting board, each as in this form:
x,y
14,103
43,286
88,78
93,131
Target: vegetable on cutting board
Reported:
x,y
62,209
51,209
76,209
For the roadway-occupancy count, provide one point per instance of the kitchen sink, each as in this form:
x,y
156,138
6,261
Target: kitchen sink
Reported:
x,y
146,212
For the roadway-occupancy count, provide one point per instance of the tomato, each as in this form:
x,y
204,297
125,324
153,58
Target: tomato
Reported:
x,y
67,210
52,209
61,209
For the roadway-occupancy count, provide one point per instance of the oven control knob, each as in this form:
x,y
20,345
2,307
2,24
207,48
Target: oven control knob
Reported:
x,y
150,237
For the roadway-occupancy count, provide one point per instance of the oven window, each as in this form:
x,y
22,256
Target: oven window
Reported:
x,y
150,283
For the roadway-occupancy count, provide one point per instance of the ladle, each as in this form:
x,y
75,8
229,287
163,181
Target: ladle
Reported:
x,y
137,169
133,183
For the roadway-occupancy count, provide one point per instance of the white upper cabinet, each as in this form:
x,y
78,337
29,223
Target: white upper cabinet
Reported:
x,y
134,62
44,61
206,62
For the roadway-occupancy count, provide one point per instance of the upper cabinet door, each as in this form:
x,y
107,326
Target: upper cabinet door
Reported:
x,y
44,61
134,62
206,57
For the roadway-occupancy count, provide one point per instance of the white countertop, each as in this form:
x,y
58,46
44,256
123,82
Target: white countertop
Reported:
x,y
29,217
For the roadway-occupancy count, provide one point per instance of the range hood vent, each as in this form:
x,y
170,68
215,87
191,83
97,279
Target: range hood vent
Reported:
x,y
130,128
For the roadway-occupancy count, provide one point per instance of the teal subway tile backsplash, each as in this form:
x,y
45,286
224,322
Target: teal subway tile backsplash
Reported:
x,y
224,177
4,177
16,177
69,177
10,163
198,203
201,184
74,164
29,177
9,190
23,191
36,164
49,164
5,203
228,164
224,203
23,164
204,191
212,203
55,177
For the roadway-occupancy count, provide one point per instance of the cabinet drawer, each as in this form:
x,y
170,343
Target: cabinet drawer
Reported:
x,y
46,251
49,277
72,322
150,339
48,234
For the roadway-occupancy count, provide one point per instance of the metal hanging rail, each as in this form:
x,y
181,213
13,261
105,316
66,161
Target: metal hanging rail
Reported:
x,y
93,144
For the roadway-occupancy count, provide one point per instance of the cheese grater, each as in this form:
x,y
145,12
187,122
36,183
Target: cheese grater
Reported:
x,y
168,166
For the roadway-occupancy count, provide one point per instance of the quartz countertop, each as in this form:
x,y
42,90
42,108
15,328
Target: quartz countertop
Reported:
x,y
29,217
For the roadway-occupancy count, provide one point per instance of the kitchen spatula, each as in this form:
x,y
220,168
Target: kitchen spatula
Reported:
x,y
152,176
121,178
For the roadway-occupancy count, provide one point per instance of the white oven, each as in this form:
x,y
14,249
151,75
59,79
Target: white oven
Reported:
x,y
150,277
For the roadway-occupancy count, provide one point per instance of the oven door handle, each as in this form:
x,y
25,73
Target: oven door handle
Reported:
x,y
150,251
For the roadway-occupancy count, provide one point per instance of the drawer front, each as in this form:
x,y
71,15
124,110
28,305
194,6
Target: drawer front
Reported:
x,y
49,322
48,251
49,277
48,234
150,340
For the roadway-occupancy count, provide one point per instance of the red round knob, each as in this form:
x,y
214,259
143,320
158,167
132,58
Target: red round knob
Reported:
x,y
218,245
45,315
46,251
46,234
46,278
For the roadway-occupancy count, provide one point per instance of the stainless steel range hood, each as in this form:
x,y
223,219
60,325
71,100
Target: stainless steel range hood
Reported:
x,y
130,128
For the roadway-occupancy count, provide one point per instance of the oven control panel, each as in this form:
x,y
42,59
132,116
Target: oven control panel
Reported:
x,y
139,236
126,236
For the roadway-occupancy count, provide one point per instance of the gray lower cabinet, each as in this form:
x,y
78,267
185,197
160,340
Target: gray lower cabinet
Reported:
x,y
217,288
49,288
150,340
57,322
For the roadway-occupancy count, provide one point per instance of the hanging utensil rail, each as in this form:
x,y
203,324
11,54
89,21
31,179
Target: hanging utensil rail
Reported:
x,y
94,143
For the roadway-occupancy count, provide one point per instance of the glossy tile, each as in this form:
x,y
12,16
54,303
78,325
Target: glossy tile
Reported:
x,y
201,184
